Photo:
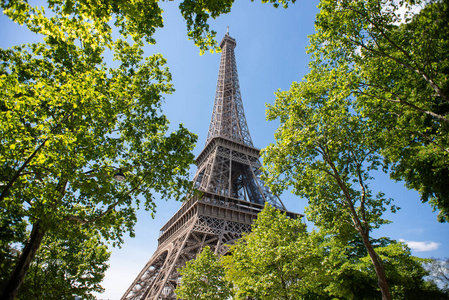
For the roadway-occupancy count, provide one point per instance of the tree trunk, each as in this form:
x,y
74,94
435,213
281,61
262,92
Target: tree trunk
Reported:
x,y
378,267
22,266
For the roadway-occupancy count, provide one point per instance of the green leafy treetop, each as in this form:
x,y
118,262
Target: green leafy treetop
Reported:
x,y
69,123
204,278
348,112
398,67
326,152
277,260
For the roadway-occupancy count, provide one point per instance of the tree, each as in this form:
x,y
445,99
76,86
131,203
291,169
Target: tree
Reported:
x,y
68,123
352,276
65,267
325,150
331,134
204,278
399,64
277,260
58,123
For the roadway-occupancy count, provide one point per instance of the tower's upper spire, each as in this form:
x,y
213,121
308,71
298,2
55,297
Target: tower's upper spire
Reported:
x,y
228,117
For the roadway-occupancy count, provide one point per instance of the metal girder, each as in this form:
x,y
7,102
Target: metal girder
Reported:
x,y
233,172
228,117
160,276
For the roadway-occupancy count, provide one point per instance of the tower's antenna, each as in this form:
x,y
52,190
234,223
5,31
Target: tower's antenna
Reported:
x,y
227,31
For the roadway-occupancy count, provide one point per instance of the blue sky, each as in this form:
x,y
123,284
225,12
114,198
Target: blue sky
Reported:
x,y
270,55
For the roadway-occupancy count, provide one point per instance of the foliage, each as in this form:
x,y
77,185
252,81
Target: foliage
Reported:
x,y
137,19
12,231
197,14
62,118
277,260
370,91
406,273
60,108
416,104
280,260
352,276
326,150
204,278
66,265
70,262
397,64
64,114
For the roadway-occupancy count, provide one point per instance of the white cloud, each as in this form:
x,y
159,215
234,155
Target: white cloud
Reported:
x,y
421,246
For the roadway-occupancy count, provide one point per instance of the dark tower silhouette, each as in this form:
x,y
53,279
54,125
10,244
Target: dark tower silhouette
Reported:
x,y
231,192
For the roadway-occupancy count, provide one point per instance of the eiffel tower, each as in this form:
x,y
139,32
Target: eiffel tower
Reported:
x,y
231,192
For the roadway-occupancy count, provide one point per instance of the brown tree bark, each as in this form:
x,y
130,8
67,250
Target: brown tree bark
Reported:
x,y
378,267
377,263
22,266
364,233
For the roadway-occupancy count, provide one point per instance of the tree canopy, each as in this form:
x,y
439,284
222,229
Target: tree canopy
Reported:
x,y
69,124
368,101
324,151
397,66
279,259
204,278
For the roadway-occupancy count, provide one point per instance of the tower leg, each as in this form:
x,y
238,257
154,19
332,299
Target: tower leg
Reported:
x,y
160,276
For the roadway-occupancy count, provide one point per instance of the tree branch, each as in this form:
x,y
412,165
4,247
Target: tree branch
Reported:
x,y
104,213
362,197
29,159
417,70
19,171
401,101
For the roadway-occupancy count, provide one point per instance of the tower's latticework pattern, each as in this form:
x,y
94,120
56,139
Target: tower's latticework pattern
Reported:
x,y
232,193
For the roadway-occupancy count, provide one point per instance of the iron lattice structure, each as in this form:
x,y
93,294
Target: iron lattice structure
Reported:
x,y
232,193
